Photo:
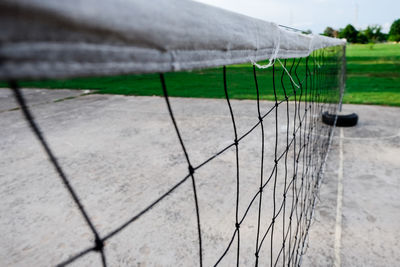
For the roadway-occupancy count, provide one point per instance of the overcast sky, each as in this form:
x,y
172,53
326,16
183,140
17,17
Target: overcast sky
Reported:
x,y
317,14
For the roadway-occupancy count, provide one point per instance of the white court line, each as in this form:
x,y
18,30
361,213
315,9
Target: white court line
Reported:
x,y
360,138
338,227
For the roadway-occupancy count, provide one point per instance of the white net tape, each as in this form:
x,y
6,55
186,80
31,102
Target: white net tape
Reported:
x,y
50,39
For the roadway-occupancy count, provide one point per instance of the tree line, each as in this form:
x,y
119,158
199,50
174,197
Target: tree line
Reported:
x,y
372,34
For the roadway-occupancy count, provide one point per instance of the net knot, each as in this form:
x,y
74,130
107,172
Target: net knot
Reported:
x,y
98,244
276,161
236,142
260,118
261,189
256,254
191,170
237,225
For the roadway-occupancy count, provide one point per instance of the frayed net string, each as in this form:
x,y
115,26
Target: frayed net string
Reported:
x,y
272,62
273,55
290,76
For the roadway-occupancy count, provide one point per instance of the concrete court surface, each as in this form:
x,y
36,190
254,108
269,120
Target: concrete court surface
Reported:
x,y
366,159
92,136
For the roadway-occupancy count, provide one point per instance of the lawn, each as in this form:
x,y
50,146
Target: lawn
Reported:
x,y
373,74
373,77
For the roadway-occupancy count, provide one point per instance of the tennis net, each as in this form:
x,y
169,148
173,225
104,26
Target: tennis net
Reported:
x,y
272,213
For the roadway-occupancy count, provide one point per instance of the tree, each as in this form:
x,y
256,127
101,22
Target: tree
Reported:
x,y
394,33
373,34
328,31
350,33
361,38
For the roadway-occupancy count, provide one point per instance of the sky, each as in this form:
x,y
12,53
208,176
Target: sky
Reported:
x,y
316,15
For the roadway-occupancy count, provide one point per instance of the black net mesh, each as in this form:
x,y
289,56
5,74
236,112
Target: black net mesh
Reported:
x,y
280,208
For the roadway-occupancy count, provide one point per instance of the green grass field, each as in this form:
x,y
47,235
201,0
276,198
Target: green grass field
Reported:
x,y
373,77
373,74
